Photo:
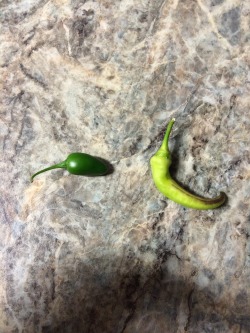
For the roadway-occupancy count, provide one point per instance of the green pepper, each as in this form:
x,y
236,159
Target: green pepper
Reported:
x,y
160,164
80,164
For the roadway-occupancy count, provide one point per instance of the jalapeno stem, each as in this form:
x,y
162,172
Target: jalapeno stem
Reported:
x,y
61,165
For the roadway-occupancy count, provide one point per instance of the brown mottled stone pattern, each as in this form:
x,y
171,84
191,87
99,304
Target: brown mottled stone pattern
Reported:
x,y
111,254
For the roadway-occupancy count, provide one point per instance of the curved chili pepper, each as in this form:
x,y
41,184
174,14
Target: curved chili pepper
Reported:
x,y
80,164
160,164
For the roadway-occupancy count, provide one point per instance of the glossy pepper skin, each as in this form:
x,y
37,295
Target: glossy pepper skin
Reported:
x,y
160,164
79,164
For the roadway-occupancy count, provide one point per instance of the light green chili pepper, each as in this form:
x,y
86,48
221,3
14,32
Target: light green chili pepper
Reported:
x,y
160,164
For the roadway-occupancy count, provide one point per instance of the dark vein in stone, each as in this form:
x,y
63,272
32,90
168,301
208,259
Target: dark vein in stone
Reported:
x,y
190,305
33,78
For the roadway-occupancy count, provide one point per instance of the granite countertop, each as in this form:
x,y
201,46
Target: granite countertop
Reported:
x,y
112,254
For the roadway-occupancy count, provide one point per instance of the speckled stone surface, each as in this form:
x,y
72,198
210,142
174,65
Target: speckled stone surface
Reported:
x,y
111,254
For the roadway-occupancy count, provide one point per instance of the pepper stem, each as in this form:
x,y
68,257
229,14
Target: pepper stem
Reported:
x,y
55,166
164,145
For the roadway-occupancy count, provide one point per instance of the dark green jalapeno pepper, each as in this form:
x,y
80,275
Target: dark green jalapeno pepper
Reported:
x,y
80,164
